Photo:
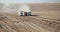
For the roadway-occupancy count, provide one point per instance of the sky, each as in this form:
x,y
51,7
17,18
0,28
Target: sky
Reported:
x,y
27,1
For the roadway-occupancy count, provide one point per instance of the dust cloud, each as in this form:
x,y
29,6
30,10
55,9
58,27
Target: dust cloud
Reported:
x,y
13,8
8,8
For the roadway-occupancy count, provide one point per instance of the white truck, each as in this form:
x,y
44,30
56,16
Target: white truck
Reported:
x,y
24,10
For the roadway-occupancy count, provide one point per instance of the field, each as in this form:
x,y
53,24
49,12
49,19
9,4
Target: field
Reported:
x,y
45,18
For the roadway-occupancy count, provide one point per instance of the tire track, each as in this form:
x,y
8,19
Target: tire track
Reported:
x,y
32,25
5,26
14,20
42,23
43,20
29,25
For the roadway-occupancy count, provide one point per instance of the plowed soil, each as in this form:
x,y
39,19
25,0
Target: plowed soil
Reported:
x,y
34,23
45,20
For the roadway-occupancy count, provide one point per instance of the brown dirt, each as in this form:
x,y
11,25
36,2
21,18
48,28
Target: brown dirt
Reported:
x,y
40,21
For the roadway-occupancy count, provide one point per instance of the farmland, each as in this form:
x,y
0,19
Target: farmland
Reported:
x,y
45,18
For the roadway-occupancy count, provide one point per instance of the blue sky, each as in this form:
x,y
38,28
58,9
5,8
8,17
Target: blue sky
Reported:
x,y
27,1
